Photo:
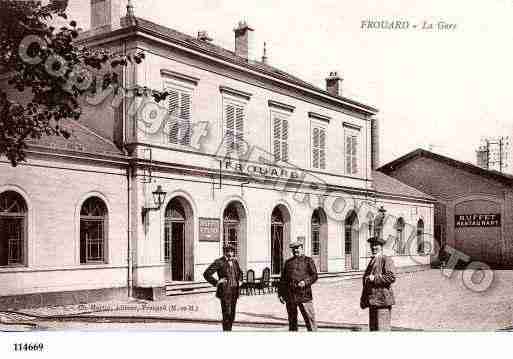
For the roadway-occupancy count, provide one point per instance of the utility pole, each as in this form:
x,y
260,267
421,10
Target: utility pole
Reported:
x,y
493,154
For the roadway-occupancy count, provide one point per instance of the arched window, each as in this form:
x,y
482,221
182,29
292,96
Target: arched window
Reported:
x,y
352,243
316,236
280,237
420,236
399,240
93,231
13,221
232,228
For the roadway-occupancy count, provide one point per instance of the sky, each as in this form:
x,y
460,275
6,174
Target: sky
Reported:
x,y
443,90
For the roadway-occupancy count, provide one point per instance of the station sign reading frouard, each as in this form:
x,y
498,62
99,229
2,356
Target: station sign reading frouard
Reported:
x,y
209,229
261,170
477,220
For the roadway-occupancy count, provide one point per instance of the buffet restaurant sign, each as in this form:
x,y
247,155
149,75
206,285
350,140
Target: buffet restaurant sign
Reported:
x,y
477,220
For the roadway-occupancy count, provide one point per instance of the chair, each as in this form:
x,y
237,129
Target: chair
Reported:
x,y
249,284
264,281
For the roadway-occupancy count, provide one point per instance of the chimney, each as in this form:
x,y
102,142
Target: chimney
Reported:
x,y
244,41
374,143
105,14
203,36
334,84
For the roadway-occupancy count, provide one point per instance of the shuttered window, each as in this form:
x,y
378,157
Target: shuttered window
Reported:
x,y
280,138
319,147
351,154
234,127
179,107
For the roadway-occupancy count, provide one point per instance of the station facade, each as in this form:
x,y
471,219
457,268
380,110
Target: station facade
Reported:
x,y
145,194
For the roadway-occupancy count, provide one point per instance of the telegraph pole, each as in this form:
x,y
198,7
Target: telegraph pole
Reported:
x,y
494,153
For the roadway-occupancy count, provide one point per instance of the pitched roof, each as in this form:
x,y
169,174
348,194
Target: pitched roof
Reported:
x,y
465,166
82,139
389,185
143,25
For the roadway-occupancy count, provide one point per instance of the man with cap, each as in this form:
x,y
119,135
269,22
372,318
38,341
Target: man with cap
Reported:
x,y
377,294
295,289
228,275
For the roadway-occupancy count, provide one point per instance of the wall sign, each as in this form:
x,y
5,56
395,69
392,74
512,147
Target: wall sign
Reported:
x,y
261,170
477,220
209,229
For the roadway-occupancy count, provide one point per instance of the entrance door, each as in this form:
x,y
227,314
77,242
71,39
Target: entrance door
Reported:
x,y
316,244
276,248
352,257
231,235
175,250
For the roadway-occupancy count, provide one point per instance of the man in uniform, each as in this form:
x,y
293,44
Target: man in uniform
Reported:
x,y
295,289
228,273
377,294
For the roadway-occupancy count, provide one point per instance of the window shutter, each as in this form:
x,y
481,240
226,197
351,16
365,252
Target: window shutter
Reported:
x,y
173,108
174,102
185,115
285,138
354,157
230,128
179,106
315,148
277,138
348,154
322,148
239,128
185,108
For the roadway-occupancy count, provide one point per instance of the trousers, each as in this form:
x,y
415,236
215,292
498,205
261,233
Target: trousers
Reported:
x,y
308,313
379,318
228,308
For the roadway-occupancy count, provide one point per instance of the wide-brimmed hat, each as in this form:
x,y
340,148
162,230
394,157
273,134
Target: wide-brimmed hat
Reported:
x,y
296,244
376,240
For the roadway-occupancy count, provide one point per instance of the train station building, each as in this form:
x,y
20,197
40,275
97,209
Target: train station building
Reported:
x,y
144,195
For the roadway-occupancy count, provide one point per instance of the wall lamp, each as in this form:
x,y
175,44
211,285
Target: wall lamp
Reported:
x,y
159,197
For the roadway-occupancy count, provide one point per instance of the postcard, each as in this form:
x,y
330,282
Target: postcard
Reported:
x,y
258,167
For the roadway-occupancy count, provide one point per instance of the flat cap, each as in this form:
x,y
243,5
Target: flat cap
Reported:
x,y
295,244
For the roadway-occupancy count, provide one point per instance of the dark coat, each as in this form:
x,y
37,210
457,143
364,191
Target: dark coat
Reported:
x,y
295,270
221,266
378,293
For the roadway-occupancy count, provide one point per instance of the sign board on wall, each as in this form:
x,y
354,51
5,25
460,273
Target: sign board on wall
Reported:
x,y
477,220
209,229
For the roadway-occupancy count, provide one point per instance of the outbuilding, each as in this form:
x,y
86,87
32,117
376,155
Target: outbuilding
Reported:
x,y
474,209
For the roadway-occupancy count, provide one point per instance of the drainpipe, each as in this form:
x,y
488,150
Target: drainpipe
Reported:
x,y
130,263
129,173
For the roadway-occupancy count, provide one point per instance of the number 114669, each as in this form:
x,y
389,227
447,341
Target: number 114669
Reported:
x,y
26,347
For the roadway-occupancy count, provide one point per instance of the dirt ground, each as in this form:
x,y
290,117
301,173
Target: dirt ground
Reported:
x,y
425,300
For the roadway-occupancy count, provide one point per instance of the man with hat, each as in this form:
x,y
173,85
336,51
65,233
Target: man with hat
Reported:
x,y
295,289
377,294
228,275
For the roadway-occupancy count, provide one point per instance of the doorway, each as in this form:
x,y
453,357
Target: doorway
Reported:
x,y
319,238
352,244
234,230
178,241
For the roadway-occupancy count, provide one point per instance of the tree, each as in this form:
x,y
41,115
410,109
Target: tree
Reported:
x,y
49,71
